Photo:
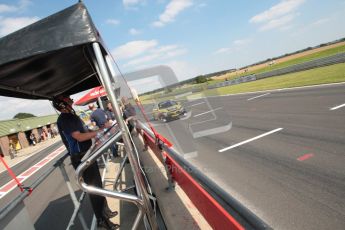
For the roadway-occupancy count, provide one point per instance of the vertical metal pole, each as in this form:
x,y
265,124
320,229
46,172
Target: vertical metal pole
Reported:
x,y
74,199
139,181
171,182
105,162
119,172
100,103
137,219
110,66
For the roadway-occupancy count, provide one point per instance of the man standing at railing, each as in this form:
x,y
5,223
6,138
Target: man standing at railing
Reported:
x,y
77,139
112,120
98,117
129,113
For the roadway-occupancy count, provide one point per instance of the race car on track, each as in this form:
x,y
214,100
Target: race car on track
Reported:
x,y
168,110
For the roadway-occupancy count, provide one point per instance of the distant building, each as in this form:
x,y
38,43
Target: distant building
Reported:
x,y
18,131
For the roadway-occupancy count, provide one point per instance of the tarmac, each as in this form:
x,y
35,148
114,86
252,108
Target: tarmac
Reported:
x,y
24,153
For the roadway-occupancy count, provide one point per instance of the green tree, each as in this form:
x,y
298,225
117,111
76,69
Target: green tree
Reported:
x,y
23,115
168,90
200,79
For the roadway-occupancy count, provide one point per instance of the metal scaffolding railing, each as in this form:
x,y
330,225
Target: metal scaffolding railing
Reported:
x,y
142,199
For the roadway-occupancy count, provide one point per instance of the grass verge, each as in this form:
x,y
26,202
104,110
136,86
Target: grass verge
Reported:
x,y
294,61
323,75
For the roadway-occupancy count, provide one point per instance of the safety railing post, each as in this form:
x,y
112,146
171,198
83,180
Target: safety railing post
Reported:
x,y
104,70
119,172
74,199
162,156
89,160
171,181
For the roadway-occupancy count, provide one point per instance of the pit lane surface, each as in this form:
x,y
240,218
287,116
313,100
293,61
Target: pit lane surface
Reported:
x,y
280,153
49,206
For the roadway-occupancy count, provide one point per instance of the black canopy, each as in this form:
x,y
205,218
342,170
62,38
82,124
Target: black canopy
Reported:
x,y
50,57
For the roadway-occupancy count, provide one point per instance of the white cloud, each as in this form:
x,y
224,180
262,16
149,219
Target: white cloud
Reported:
x,y
183,70
282,8
22,5
202,5
279,22
132,3
133,49
142,60
158,24
278,15
9,25
112,22
320,21
163,49
160,53
7,8
134,31
11,106
222,50
161,1
144,51
241,42
236,45
176,53
171,11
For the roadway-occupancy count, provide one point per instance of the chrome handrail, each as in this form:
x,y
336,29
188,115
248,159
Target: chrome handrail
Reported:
x,y
142,200
101,191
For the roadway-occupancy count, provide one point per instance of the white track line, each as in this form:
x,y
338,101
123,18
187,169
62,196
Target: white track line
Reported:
x,y
337,107
196,104
190,155
29,155
31,172
249,140
258,96
200,114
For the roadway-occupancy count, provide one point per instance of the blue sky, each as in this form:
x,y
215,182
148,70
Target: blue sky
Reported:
x,y
193,36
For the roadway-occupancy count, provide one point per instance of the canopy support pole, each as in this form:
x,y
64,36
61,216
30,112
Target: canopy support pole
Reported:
x,y
138,177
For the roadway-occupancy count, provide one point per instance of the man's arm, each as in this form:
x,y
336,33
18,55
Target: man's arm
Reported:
x,y
92,119
130,118
83,136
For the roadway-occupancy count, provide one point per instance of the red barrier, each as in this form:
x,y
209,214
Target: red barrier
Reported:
x,y
213,212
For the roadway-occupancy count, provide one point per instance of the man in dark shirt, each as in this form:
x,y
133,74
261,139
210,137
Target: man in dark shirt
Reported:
x,y
98,117
129,113
110,113
77,140
111,119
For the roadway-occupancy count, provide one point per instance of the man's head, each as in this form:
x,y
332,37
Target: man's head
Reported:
x,y
92,107
109,106
124,100
63,103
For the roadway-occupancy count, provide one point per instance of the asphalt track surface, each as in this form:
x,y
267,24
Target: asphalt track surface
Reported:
x,y
280,153
283,158
23,166
49,206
